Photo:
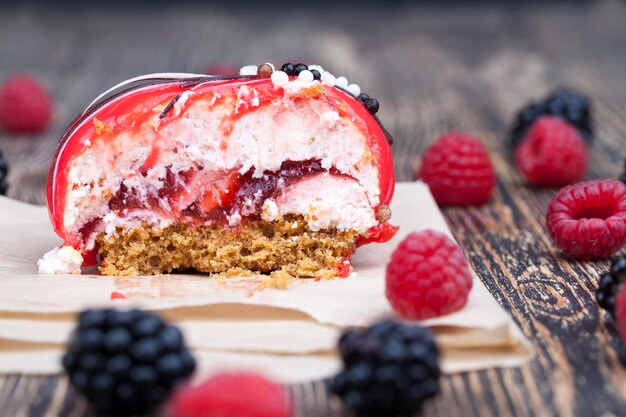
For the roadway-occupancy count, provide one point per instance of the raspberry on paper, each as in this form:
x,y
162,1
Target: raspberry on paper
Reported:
x,y
427,276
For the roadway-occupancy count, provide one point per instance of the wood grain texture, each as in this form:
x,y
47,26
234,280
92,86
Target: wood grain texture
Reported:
x,y
434,69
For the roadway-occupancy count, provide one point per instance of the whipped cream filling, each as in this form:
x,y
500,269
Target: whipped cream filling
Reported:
x,y
326,201
295,130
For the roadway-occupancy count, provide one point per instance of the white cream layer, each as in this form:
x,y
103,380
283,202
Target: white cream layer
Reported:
x,y
326,201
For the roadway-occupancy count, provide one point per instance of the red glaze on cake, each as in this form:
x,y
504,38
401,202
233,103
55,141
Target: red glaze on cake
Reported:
x,y
220,151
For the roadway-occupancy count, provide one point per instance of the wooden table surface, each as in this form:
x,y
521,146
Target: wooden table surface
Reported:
x,y
433,68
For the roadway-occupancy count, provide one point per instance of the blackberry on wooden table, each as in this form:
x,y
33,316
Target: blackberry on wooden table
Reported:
x,y
126,362
390,369
609,285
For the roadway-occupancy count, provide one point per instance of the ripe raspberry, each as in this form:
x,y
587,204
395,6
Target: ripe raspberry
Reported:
x,y
588,220
552,154
233,395
458,170
427,276
25,105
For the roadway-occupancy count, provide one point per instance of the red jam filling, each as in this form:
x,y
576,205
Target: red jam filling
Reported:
x,y
214,197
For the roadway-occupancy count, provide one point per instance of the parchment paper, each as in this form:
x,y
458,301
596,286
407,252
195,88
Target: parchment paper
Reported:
x,y
289,333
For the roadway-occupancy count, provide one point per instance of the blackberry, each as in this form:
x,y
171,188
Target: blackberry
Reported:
x,y
622,177
569,105
390,369
126,362
4,171
316,75
609,285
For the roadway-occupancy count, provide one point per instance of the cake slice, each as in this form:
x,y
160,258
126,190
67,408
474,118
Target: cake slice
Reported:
x,y
261,171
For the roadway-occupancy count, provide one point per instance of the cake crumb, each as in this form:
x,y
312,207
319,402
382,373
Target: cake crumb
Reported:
x,y
63,260
101,127
278,279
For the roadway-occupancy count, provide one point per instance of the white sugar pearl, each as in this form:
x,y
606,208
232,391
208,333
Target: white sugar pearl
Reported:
x,y
341,82
306,76
248,70
328,79
316,67
280,78
354,89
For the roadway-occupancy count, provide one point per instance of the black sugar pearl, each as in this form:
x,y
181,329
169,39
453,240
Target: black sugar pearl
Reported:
x,y
363,97
299,68
316,75
288,68
371,104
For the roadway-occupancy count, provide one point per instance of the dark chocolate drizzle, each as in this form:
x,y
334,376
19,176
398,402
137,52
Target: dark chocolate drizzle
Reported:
x,y
169,106
385,131
221,77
